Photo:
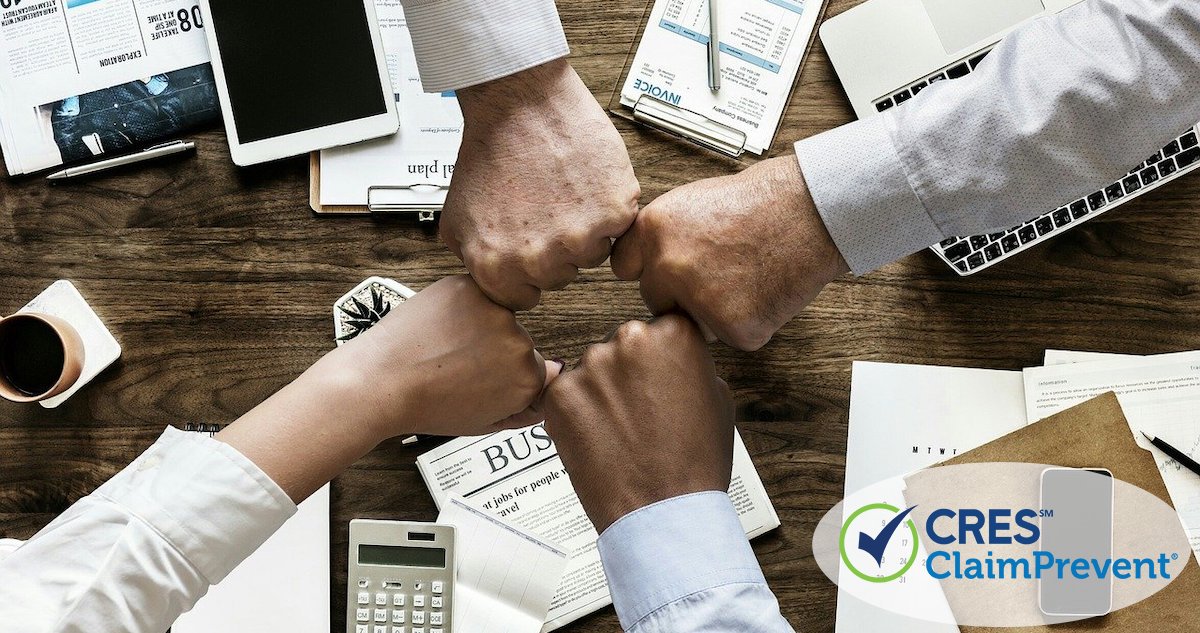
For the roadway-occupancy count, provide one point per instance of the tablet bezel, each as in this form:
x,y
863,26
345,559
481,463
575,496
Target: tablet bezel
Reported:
x,y
298,143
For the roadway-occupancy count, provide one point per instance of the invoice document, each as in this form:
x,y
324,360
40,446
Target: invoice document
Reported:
x,y
1160,396
762,43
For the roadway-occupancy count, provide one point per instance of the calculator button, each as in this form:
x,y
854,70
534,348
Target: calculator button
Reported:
x,y
418,617
419,601
435,631
436,586
398,616
397,629
364,582
418,585
362,628
435,602
363,615
418,629
381,599
381,615
364,597
398,600
436,617
381,629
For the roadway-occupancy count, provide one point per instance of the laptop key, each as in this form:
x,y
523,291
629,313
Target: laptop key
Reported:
x,y
975,260
962,266
1044,225
1096,200
961,70
992,251
1114,192
1149,176
937,77
978,58
886,104
1010,243
1171,148
1188,157
1079,209
978,242
1027,234
1132,183
1166,168
948,242
902,96
1189,140
958,251
1154,158
918,88
1062,217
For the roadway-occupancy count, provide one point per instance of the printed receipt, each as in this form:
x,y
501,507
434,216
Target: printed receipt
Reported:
x,y
762,44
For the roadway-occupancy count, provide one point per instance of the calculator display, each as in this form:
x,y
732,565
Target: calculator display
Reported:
x,y
401,556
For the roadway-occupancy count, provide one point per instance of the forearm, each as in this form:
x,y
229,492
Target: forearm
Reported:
x,y
1059,109
684,564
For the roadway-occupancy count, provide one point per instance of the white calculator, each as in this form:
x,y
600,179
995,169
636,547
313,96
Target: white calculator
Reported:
x,y
400,577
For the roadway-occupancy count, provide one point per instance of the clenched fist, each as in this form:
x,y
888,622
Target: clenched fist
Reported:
x,y
542,184
741,254
643,418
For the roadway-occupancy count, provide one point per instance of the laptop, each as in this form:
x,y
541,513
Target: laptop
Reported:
x,y
887,51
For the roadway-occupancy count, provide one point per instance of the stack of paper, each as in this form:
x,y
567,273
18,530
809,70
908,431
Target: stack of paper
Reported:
x,y
907,417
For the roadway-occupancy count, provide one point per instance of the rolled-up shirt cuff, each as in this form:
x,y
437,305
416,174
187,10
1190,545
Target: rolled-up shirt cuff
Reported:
x,y
863,193
462,43
667,551
210,502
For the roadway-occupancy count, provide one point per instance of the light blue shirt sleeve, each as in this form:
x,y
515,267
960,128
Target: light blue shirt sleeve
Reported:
x,y
684,565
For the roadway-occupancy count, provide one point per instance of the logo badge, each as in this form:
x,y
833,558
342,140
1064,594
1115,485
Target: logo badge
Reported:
x,y
877,525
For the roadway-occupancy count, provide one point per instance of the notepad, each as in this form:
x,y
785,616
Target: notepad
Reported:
x,y
282,586
506,576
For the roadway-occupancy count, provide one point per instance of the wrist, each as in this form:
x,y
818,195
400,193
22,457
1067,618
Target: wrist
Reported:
x,y
537,91
371,400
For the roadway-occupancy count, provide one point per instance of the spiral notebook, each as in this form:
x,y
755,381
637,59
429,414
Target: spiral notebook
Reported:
x,y
283,586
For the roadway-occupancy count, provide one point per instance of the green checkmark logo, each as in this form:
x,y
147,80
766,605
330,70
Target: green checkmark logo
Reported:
x,y
875,544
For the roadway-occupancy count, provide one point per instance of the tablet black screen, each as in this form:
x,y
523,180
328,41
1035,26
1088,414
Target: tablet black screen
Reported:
x,y
297,65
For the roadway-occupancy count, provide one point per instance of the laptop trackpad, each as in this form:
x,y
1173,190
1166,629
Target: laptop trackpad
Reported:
x,y
961,23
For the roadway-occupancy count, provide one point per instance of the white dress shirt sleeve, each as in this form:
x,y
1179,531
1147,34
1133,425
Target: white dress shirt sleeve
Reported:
x,y
145,546
461,43
1063,106
684,565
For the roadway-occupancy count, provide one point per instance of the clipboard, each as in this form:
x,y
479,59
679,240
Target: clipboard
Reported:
x,y
1094,434
655,112
381,199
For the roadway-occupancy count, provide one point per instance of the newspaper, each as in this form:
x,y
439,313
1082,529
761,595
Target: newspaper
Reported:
x,y
517,475
81,78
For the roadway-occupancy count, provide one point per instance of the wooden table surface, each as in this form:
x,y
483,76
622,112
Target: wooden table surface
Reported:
x,y
218,283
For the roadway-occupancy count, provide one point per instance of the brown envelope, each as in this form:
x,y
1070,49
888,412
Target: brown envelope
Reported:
x,y
1091,435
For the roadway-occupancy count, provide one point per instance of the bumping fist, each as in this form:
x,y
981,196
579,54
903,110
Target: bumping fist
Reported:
x,y
448,361
741,254
652,386
542,185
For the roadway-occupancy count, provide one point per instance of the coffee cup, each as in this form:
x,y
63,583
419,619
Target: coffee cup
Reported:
x,y
41,356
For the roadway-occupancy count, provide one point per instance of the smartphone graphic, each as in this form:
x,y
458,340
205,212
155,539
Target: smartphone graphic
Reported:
x,y
1076,522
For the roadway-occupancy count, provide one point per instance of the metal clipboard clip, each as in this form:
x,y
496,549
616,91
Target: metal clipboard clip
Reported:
x,y
690,125
424,199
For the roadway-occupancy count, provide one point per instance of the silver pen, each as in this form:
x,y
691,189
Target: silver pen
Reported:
x,y
150,153
714,48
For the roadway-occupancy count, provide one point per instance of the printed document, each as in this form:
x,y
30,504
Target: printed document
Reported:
x,y
506,576
517,476
422,153
762,44
1160,396
82,78
907,417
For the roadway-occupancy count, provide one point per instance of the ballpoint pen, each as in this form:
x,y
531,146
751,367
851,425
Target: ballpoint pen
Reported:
x,y
1174,453
714,48
150,153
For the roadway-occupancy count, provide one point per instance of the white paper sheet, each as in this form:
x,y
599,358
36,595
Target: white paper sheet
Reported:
x,y
762,45
1160,395
907,417
425,149
282,586
506,576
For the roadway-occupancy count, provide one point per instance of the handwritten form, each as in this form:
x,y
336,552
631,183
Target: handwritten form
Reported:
x,y
1160,396
506,576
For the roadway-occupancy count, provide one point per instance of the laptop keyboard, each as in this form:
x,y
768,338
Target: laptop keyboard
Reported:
x,y
972,253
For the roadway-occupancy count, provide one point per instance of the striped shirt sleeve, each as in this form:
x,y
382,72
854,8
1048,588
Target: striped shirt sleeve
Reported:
x,y
462,43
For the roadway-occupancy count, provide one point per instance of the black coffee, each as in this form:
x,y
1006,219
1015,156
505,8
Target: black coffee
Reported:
x,y
31,355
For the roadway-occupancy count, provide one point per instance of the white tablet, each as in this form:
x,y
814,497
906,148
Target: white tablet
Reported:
x,y
298,76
